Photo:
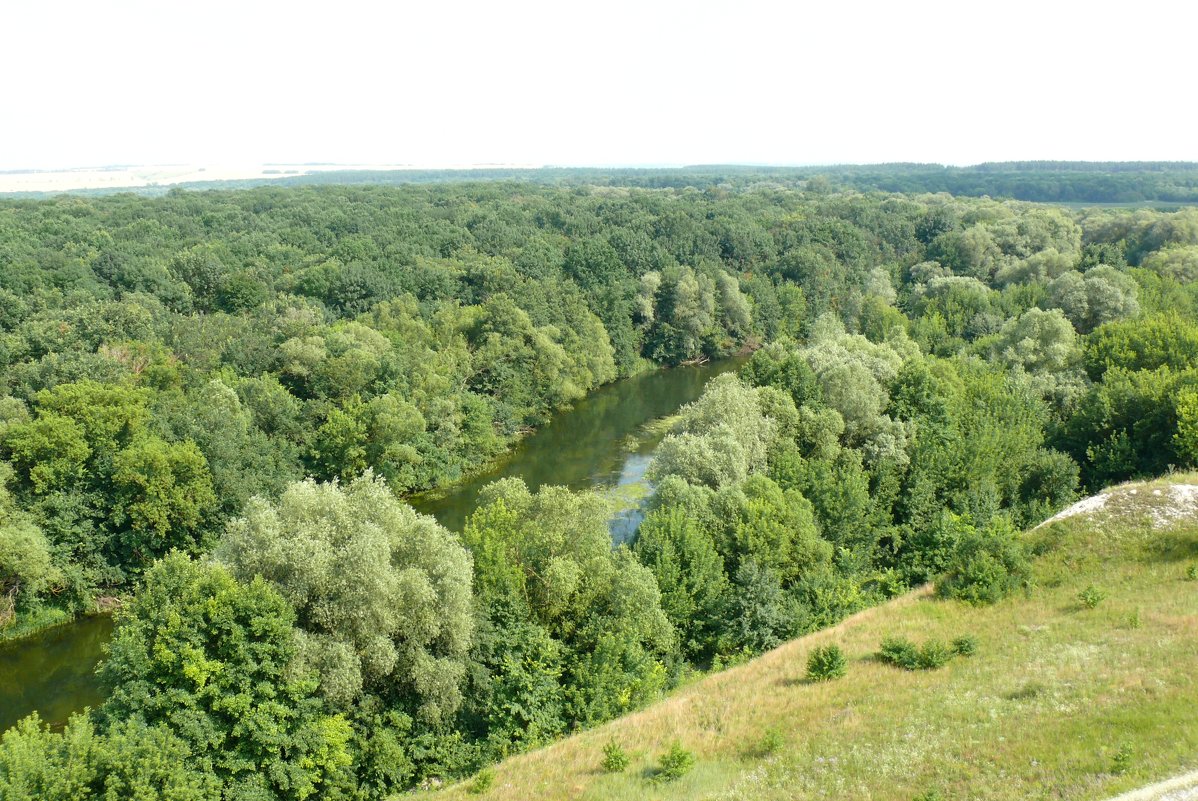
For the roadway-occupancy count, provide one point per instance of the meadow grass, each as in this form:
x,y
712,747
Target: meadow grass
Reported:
x,y
1058,702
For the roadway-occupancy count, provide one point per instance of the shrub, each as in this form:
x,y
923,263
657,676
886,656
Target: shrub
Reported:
x,y
1192,573
987,566
674,764
614,758
482,782
1122,759
934,654
965,645
826,663
1091,597
900,652
723,661
770,742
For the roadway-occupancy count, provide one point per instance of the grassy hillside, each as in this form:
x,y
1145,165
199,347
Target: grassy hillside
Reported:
x,y
1059,701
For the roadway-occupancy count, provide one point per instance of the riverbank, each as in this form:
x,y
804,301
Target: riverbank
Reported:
x,y
30,624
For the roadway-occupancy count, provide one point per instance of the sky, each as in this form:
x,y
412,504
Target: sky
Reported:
x,y
452,83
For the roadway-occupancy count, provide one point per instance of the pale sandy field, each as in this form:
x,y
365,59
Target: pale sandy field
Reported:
x,y
161,175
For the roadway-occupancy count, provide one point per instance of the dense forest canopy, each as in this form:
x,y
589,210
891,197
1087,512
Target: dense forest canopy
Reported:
x,y
213,403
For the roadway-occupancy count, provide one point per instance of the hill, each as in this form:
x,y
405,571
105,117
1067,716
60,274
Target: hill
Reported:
x,y
1060,700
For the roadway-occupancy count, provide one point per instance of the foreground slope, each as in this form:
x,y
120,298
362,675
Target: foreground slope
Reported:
x,y
1060,700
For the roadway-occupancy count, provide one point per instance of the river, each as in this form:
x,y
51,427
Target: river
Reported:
x,y
587,446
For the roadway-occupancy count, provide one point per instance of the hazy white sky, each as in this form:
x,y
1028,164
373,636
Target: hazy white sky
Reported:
x,y
447,82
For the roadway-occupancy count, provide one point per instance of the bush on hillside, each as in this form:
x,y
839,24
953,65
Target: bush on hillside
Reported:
x,y
901,652
934,654
674,764
771,742
614,758
965,645
1091,597
825,663
482,782
987,566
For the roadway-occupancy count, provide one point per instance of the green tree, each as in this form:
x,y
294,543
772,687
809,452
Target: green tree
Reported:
x,y
381,593
759,615
723,437
339,446
987,564
27,568
774,528
1038,341
548,558
1099,296
209,659
50,451
690,574
130,761
163,493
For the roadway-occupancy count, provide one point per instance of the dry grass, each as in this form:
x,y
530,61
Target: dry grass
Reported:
x,y
1053,693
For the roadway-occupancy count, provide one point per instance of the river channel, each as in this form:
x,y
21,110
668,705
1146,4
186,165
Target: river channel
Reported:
x,y
587,446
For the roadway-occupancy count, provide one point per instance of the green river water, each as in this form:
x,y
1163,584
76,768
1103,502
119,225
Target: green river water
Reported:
x,y
53,672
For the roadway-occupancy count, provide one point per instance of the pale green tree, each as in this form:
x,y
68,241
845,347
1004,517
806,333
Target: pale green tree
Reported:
x,y
721,438
383,594
1179,262
1043,266
1101,295
1038,341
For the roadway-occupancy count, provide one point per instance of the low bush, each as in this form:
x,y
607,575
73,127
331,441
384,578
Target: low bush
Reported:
x,y
482,782
1122,759
933,654
674,764
614,758
965,645
771,742
826,663
1091,597
899,651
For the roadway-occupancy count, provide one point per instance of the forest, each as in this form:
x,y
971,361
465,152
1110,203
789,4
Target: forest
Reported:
x,y
213,406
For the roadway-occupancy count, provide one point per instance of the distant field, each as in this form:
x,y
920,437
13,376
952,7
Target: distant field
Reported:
x,y
161,175
1060,701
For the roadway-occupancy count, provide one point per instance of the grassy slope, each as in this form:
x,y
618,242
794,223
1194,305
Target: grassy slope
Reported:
x,y
1053,693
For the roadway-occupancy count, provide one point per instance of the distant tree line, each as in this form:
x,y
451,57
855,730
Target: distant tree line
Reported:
x,y
1074,182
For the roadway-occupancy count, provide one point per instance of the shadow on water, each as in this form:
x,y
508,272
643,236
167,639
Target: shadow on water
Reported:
x,y
53,672
587,446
